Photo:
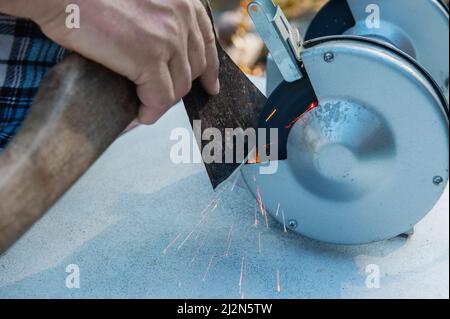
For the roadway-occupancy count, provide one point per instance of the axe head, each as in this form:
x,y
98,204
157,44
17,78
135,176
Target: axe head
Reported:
x,y
237,106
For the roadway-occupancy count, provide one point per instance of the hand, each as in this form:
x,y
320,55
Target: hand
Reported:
x,y
160,45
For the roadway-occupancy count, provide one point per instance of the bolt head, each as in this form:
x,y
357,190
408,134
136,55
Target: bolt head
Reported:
x,y
254,8
328,57
438,180
292,224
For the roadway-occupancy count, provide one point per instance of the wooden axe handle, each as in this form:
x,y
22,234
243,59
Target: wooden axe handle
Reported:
x,y
80,109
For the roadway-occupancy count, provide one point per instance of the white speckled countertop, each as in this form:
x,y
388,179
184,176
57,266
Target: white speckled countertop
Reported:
x,y
130,226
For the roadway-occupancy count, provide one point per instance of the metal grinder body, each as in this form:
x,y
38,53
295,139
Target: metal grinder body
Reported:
x,y
370,159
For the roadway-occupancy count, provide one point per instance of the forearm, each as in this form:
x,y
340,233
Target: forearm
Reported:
x,y
36,10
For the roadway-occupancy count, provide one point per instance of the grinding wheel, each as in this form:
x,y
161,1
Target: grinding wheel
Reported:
x,y
370,160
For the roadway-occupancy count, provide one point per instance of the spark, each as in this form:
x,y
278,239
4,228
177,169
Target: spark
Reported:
x,y
261,207
193,231
260,202
266,218
241,278
278,282
278,209
171,244
230,234
199,249
255,224
209,267
259,243
271,115
213,202
234,183
215,205
284,221
312,106
254,158
223,189
187,238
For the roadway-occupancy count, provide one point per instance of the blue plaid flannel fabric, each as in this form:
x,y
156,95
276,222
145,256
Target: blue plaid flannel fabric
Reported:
x,y
26,55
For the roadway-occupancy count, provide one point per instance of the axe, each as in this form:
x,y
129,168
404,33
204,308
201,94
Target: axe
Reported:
x,y
80,109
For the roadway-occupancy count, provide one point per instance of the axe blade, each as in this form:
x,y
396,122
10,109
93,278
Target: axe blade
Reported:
x,y
238,105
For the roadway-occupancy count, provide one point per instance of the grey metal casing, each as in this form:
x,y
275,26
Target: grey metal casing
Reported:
x,y
419,28
360,167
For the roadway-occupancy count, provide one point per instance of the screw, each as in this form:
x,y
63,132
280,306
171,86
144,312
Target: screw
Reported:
x,y
328,57
292,224
438,180
254,8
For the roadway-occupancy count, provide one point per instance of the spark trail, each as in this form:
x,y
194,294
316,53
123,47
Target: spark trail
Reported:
x,y
259,243
208,268
241,278
202,220
171,244
278,282
284,222
230,235
199,248
256,223
261,207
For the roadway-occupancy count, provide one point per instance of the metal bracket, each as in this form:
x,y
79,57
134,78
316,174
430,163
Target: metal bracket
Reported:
x,y
283,41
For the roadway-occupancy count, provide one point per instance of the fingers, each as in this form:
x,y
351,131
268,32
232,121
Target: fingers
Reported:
x,y
156,94
210,78
180,70
193,55
196,49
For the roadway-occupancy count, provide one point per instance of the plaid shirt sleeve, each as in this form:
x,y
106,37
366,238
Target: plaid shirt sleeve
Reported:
x,y
26,55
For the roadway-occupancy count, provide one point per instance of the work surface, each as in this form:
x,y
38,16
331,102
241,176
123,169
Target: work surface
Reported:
x,y
137,225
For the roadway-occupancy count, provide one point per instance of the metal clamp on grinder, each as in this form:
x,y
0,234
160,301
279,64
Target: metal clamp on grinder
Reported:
x,y
362,119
